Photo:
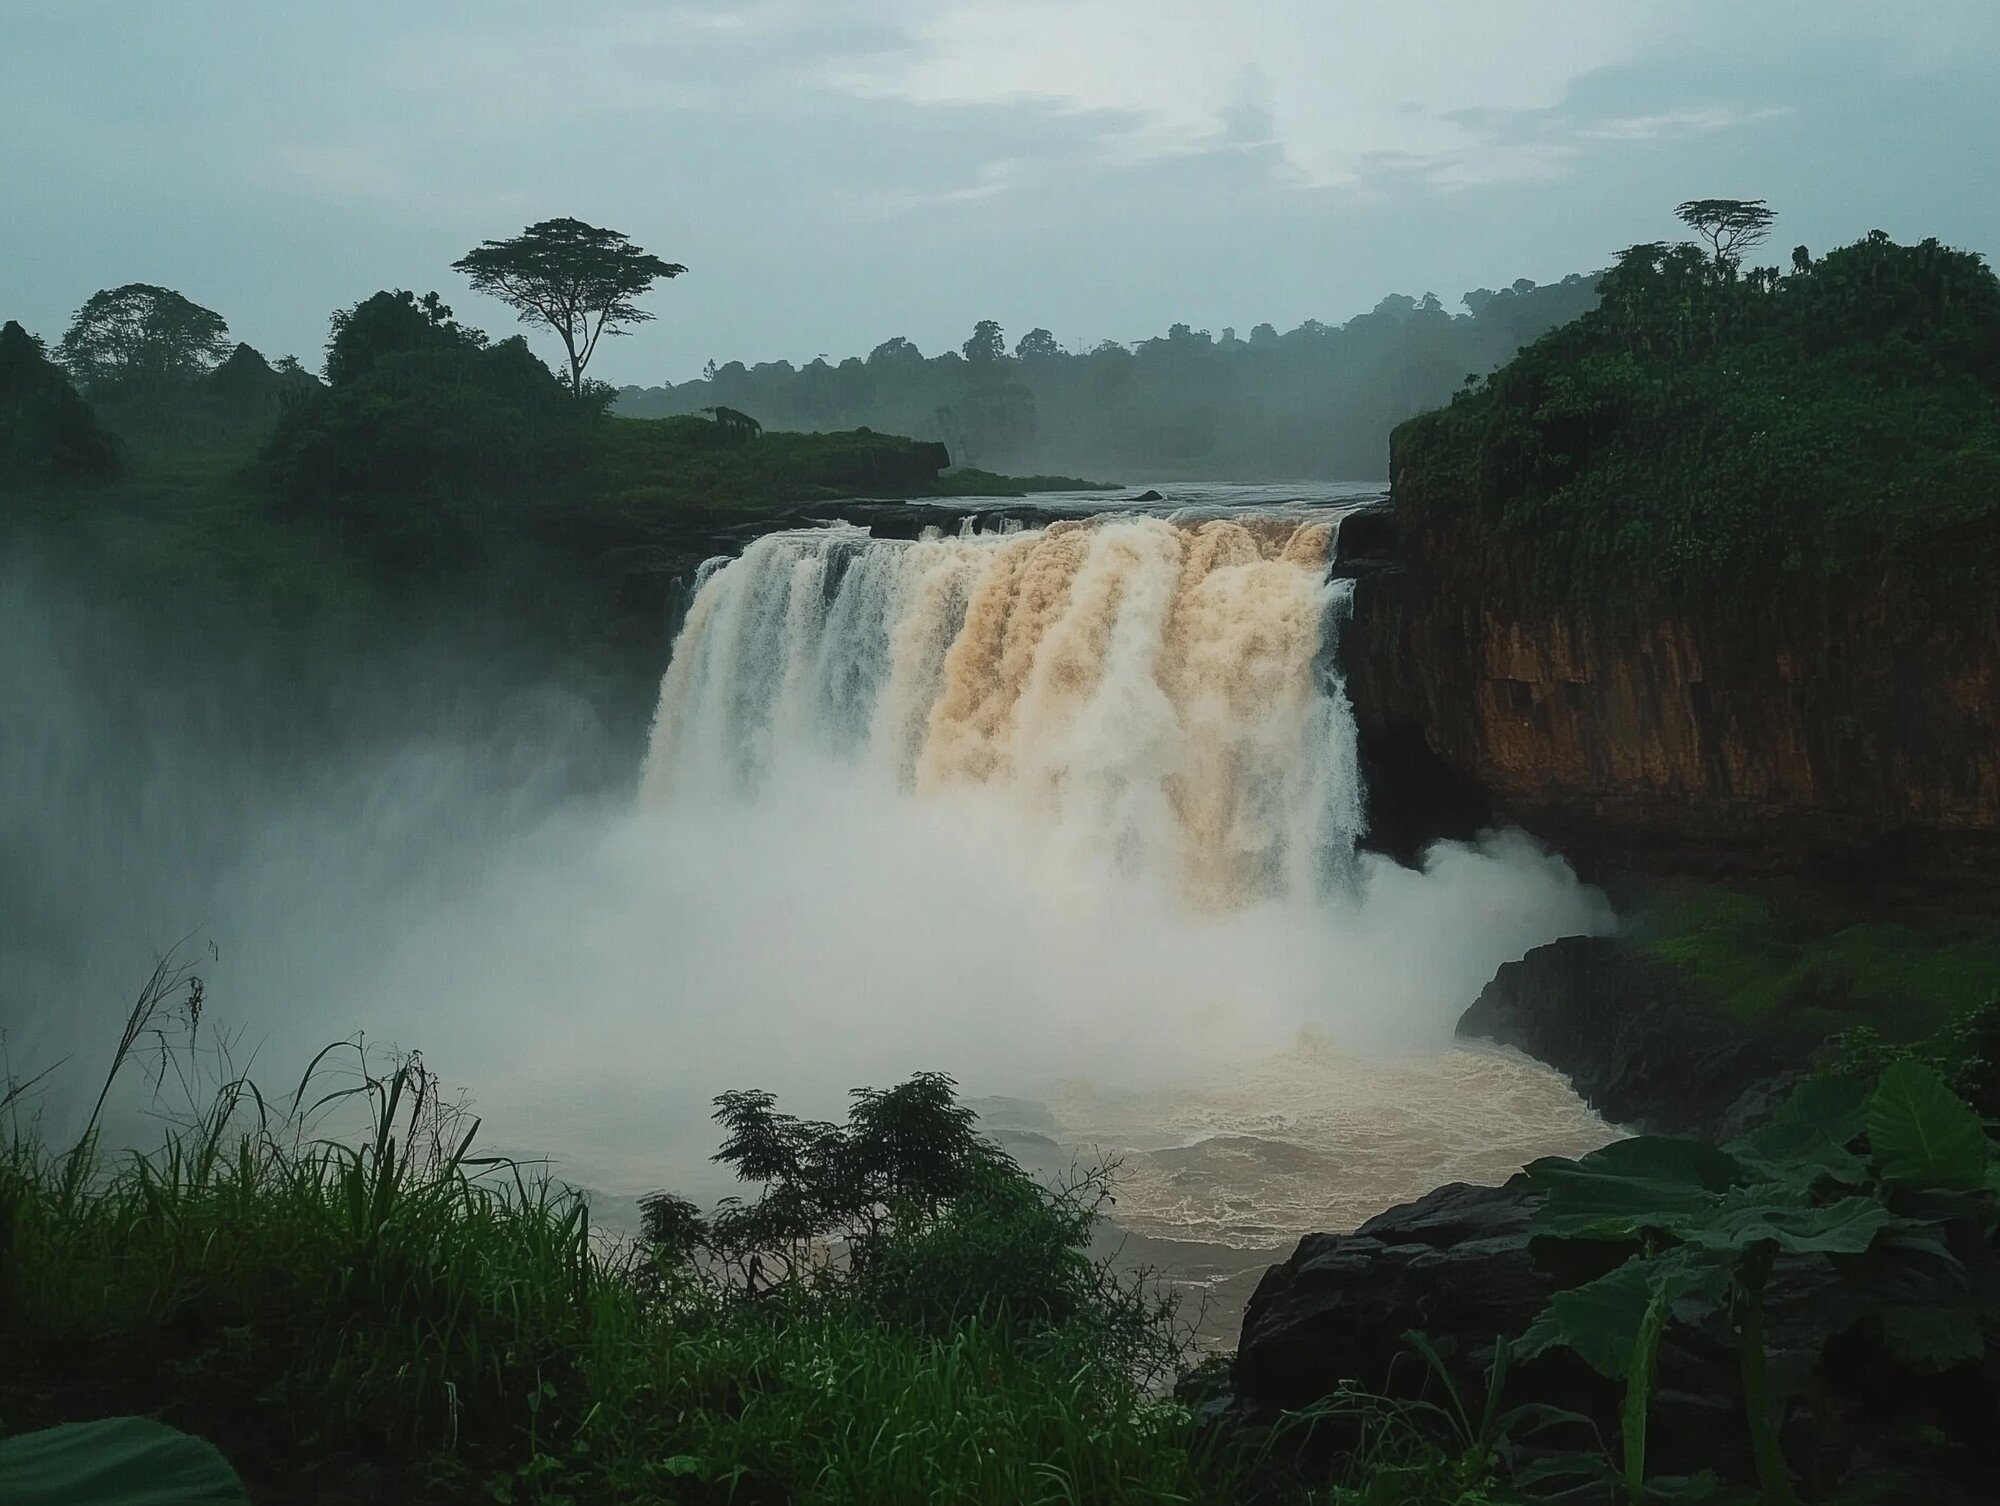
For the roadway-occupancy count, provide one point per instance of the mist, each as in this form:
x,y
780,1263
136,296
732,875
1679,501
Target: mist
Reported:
x,y
406,840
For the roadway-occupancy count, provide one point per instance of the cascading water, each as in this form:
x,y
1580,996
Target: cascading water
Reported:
x,y
1158,699
1110,770
1069,813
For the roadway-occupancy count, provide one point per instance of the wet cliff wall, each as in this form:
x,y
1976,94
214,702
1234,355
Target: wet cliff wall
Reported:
x,y
1842,726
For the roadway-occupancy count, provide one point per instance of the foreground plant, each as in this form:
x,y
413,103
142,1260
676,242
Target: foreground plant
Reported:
x,y
332,1275
1894,1187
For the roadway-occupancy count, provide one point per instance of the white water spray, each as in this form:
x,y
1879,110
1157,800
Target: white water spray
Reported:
x,y
1072,812
1157,700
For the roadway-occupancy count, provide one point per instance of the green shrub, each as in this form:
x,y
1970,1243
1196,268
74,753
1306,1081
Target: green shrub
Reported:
x,y
1890,1183
335,1272
1698,429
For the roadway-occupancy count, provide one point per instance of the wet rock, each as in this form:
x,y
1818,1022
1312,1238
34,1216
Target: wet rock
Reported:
x,y
1455,1264
1631,1034
1809,728
1366,541
1458,1265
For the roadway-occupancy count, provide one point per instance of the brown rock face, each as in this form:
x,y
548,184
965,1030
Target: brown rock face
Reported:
x,y
1809,724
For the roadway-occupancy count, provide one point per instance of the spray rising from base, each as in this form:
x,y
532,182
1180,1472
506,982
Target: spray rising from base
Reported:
x,y
1086,839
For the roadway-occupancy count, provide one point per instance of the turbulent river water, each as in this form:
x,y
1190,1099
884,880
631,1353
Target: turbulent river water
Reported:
x,y
1068,812
1138,727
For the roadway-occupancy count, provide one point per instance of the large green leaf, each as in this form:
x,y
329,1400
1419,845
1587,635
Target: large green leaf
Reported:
x,y
1648,1182
1601,1320
1807,1138
119,1461
1920,1294
1923,1135
1833,1108
1844,1227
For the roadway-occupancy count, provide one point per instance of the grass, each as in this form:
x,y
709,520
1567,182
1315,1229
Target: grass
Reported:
x,y
643,468
335,1276
194,519
1762,956
333,1287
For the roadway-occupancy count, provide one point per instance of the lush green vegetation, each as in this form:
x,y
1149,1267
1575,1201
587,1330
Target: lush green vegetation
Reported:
x,y
335,1286
1885,1189
431,467
1703,426
644,468
47,433
1318,400
1763,955
898,1314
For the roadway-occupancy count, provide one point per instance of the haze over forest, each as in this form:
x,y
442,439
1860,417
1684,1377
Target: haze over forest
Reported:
x,y
837,175
875,751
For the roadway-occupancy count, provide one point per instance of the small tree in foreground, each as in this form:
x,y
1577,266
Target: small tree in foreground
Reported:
x,y
579,280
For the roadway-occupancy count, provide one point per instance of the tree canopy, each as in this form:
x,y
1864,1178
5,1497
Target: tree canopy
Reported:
x,y
387,324
47,432
1317,400
579,280
1037,345
1730,226
141,336
423,430
986,343
1694,431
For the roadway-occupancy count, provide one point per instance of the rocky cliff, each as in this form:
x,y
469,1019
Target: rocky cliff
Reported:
x,y
1635,1039
1804,725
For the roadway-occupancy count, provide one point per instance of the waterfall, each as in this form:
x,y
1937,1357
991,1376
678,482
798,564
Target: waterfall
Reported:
x,y
1158,697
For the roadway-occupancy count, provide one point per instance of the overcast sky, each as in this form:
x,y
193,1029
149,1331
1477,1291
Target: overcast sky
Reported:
x,y
835,172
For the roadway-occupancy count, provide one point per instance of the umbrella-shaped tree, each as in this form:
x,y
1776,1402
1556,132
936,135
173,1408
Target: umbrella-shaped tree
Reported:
x,y
579,280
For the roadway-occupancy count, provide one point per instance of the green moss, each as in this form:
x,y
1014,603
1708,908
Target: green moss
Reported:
x,y
1764,956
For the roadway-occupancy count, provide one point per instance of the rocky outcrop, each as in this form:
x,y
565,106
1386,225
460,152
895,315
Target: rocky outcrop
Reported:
x,y
1414,796
1633,1037
1460,1266
1808,726
1454,1263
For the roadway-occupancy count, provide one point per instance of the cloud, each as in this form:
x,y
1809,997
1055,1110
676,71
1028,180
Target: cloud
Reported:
x,y
1348,90
994,178
1676,123
1451,94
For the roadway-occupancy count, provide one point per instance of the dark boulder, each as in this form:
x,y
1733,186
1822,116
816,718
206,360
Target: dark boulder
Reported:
x,y
1455,1264
1632,1035
1459,1266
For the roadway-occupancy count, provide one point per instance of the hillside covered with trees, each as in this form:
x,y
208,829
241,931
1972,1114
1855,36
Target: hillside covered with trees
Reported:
x,y
1708,425
1316,401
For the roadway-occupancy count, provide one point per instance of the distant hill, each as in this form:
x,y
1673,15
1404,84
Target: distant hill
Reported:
x,y
1317,401
1705,426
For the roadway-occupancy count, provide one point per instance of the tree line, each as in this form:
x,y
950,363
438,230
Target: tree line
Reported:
x,y
1315,401
1710,423
145,367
